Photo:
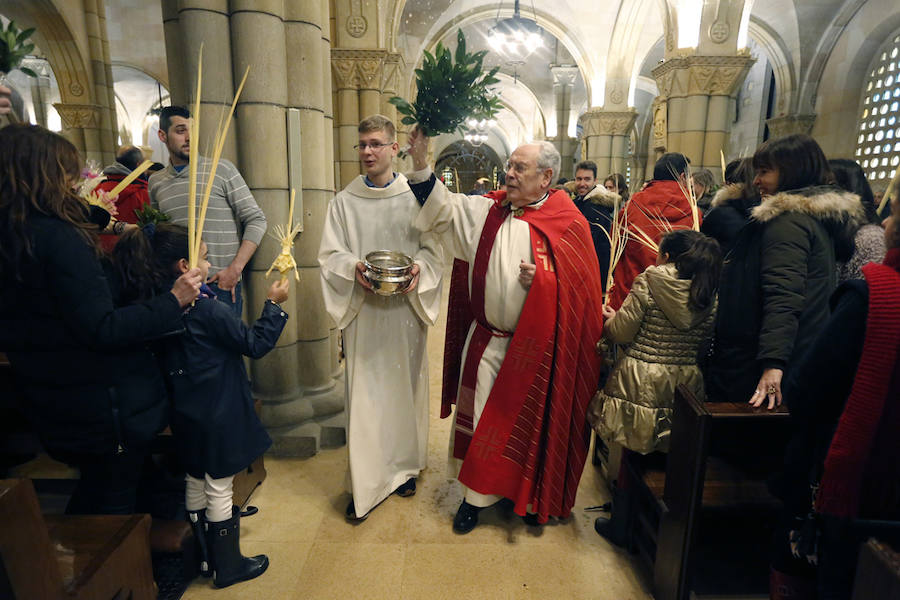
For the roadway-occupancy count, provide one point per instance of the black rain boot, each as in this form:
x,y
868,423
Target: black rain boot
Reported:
x,y
229,565
617,529
197,519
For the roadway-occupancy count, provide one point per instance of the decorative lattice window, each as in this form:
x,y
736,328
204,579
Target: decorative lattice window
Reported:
x,y
878,143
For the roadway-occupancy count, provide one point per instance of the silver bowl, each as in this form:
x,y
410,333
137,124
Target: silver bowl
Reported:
x,y
389,272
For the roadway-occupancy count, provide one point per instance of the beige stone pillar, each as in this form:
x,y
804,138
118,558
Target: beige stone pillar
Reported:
x,y
693,104
207,22
302,406
258,40
790,124
346,78
563,81
179,88
95,24
606,135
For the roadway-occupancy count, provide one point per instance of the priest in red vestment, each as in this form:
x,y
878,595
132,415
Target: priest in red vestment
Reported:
x,y
662,206
523,321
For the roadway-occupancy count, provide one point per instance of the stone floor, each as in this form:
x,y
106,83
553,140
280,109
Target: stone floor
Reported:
x,y
407,549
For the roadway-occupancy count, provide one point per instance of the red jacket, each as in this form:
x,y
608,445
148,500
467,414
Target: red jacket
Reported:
x,y
130,199
660,207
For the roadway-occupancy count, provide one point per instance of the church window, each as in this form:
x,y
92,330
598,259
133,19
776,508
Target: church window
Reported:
x,y
879,115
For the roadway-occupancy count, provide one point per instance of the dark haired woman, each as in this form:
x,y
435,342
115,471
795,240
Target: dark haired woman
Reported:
x,y
92,392
666,315
731,206
869,238
845,407
773,298
616,184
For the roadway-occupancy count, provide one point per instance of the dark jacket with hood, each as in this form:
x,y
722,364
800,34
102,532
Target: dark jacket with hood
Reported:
x,y
730,211
597,207
775,285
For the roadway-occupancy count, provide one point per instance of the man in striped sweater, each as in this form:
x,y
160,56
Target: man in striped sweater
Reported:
x,y
234,224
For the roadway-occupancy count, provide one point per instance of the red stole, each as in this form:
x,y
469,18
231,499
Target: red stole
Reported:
x,y
870,417
532,438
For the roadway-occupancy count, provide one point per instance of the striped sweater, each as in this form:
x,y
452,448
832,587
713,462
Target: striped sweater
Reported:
x,y
232,215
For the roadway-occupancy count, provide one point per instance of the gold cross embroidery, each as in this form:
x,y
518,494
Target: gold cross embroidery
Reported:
x,y
543,256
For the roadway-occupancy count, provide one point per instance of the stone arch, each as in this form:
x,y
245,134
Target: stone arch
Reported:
x,y
56,40
622,62
779,57
482,13
809,87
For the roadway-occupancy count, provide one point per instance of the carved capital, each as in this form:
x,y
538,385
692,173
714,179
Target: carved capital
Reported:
x,y
604,122
393,64
790,124
682,76
358,68
78,116
563,75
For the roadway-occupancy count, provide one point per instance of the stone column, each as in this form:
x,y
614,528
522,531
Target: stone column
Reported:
x,y
790,124
179,88
695,92
207,22
40,89
606,136
258,41
563,82
302,407
346,78
101,72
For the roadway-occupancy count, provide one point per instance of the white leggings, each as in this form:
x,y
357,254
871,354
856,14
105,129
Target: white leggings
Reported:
x,y
212,494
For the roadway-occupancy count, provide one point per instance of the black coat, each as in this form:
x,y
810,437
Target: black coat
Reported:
x,y
597,207
775,285
729,212
216,429
91,385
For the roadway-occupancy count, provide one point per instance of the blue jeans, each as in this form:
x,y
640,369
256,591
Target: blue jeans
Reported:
x,y
225,296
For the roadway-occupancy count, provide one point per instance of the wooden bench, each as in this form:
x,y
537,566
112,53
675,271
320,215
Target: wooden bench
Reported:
x,y
668,500
877,572
83,557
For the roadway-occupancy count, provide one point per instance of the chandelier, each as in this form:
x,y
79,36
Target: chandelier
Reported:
x,y
476,134
516,37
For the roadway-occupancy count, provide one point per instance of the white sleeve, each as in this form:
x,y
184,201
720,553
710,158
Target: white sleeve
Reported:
x,y
456,219
343,296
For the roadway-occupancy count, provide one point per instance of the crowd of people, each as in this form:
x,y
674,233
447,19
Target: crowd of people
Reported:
x,y
781,287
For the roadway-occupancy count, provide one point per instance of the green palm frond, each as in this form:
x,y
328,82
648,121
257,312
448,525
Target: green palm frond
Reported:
x,y
450,89
14,47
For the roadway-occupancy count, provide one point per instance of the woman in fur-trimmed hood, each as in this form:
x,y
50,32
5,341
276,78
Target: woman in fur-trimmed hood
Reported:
x,y
777,279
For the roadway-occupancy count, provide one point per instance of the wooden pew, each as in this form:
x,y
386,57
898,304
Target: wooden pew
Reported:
x,y
79,557
877,573
668,503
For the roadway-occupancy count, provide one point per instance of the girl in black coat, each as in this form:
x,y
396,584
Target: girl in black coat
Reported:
x,y
216,430
91,389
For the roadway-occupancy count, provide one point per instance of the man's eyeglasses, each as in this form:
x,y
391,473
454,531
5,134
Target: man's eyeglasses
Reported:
x,y
376,146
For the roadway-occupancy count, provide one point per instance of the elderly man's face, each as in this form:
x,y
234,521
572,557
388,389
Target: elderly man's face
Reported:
x,y
525,183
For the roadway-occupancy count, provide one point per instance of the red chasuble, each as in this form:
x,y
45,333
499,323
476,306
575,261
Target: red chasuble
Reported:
x,y
532,438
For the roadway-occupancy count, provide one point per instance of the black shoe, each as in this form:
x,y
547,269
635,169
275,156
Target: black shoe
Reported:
x,y
531,520
466,518
350,513
407,489
229,565
197,521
